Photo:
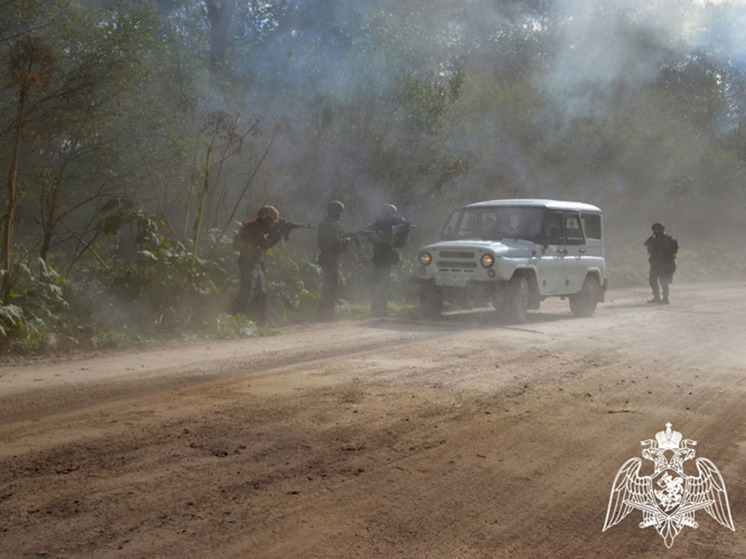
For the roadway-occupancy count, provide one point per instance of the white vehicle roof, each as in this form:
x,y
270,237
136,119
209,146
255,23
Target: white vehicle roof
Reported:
x,y
537,203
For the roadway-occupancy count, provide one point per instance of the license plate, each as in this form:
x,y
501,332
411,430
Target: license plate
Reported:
x,y
450,282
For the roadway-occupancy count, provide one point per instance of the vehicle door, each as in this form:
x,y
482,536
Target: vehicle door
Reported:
x,y
550,269
593,231
576,261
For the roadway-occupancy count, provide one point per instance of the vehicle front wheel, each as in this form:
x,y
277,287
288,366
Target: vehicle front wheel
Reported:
x,y
584,302
431,301
517,300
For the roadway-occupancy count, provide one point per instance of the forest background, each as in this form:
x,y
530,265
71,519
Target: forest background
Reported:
x,y
136,135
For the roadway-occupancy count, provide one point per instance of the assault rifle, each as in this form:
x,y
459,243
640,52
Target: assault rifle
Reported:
x,y
396,237
285,227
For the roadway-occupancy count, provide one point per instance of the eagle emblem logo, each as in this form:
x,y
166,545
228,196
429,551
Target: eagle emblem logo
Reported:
x,y
668,498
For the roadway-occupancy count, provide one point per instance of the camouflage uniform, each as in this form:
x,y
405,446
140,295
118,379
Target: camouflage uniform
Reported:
x,y
252,242
332,242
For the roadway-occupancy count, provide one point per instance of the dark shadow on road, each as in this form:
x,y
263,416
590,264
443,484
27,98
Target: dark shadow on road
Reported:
x,y
483,318
636,305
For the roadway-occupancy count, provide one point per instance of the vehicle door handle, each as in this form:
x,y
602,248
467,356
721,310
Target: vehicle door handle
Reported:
x,y
562,251
581,250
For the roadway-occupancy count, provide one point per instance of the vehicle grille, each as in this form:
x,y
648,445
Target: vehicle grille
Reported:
x,y
446,266
456,261
456,254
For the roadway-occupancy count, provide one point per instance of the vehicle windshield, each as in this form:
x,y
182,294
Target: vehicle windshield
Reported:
x,y
494,224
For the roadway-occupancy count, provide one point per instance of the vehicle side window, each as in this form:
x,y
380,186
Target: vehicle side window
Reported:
x,y
470,227
573,229
592,226
449,231
554,229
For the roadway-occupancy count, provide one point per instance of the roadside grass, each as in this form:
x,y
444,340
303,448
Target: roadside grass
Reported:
x,y
627,265
50,317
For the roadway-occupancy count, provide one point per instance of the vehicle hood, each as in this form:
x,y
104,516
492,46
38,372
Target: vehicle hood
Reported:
x,y
504,247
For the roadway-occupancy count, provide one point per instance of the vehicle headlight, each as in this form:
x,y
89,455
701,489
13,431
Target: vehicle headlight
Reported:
x,y
487,260
425,258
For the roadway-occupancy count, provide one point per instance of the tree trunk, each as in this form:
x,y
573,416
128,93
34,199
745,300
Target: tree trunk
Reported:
x,y
200,209
12,195
49,221
220,15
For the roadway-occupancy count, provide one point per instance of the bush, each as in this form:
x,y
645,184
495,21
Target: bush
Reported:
x,y
39,309
11,319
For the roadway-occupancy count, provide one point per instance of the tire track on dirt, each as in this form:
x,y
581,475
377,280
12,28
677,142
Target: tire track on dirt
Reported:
x,y
41,400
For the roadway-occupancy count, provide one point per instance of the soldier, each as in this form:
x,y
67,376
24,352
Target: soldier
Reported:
x,y
662,251
386,239
252,242
332,242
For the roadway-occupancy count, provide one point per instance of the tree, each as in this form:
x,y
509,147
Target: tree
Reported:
x,y
103,129
220,134
220,16
30,65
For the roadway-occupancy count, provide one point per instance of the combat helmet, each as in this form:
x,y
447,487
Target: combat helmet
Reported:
x,y
389,210
335,208
268,212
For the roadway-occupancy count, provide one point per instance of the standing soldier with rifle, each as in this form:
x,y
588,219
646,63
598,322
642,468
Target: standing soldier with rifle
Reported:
x,y
252,242
332,242
388,233
662,251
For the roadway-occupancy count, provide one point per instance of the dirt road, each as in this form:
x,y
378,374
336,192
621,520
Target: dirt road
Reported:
x,y
460,438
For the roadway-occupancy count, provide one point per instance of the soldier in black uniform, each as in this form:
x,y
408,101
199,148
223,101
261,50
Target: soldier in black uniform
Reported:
x,y
252,242
662,251
332,242
385,254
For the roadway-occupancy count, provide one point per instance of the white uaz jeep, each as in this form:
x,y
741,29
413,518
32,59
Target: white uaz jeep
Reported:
x,y
514,254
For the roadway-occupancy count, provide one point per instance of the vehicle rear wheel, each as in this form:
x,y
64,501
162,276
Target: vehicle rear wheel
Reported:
x,y
431,301
584,302
517,300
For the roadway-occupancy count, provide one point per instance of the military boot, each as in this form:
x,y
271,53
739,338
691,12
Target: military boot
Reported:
x,y
664,301
656,294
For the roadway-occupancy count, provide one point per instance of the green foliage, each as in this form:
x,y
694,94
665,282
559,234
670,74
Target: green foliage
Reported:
x,y
11,318
229,326
352,309
293,284
426,104
627,265
712,262
39,307
41,293
156,293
